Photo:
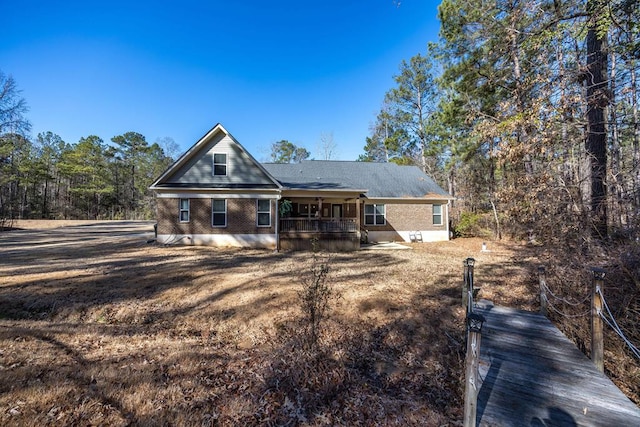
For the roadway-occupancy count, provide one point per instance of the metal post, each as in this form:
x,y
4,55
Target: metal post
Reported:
x,y
597,336
471,387
543,292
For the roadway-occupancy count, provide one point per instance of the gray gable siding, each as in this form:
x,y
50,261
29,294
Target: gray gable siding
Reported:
x,y
198,171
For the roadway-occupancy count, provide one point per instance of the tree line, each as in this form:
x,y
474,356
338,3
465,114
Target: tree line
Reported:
x,y
46,177
527,111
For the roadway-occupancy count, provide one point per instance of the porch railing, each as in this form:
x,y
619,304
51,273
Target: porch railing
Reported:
x,y
315,225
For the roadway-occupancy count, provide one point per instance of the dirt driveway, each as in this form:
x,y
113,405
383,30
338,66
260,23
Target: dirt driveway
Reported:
x,y
79,236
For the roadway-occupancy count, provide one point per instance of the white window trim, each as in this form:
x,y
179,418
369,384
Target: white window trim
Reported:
x,y
375,205
434,215
225,214
258,212
226,164
180,210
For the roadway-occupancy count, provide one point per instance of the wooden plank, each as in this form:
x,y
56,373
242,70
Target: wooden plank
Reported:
x,y
534,375
549,386
530,414
554,356
552,345
570,373
537,348
588,411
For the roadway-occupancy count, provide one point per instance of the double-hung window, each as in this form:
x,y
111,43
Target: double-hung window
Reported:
x,y
437,214
218,212
264,212
184,210
374,214
219,164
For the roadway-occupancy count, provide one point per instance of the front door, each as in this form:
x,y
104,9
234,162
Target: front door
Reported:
x,y
336,211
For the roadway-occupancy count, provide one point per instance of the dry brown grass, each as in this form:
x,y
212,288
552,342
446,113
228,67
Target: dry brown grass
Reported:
x,y
126,333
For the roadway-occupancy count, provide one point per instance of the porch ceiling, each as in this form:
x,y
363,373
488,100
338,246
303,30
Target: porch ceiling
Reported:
x,y
326,194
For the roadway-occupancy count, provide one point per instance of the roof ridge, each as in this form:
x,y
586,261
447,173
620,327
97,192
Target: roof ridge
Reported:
x,y
314,161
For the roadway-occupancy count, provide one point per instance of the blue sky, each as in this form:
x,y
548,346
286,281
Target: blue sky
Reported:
x,y
267,71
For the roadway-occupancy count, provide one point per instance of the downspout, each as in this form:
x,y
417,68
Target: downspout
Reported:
x,y
277,223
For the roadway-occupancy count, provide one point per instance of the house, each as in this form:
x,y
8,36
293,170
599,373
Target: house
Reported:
x,y
218,194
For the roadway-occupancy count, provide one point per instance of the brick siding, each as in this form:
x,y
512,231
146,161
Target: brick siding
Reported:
x,y
407,217
241,217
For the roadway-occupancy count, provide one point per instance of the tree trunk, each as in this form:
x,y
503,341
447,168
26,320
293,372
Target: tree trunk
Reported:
x,y
615,185
45,204
597,102
522,137
451,180
636,134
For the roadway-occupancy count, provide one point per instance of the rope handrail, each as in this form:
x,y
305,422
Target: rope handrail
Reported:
x,y
602,310
614,325
568,316
563,299
546,302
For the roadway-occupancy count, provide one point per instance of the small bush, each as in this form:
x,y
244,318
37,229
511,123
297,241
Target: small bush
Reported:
x,y
472,224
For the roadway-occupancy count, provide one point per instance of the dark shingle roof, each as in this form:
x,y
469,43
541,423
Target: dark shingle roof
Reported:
x,y
377,179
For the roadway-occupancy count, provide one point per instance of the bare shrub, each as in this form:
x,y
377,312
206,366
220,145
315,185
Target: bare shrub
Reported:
x,y
315,297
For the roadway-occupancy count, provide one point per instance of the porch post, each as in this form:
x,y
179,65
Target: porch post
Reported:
x,y
319,208
358,217
278,223
447,219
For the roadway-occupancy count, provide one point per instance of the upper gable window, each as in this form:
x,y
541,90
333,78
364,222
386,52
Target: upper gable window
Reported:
x,y
220,164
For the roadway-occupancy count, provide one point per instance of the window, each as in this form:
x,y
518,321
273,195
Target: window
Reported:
x,y
219,212
307,209
219,164
264,213
437,214
184,210
374,215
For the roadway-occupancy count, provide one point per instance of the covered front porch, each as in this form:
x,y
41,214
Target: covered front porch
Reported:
x,y
319,225
329,223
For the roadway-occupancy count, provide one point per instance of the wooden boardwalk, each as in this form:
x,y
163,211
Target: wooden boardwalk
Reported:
x,y
532,375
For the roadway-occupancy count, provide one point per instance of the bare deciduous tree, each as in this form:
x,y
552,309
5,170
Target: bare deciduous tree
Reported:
x,y
327,148
13,107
